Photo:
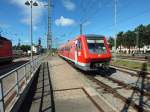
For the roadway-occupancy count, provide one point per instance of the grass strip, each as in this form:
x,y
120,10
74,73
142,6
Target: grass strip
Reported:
x,y
130,64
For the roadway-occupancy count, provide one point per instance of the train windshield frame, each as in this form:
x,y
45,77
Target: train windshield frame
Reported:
x,y
96,46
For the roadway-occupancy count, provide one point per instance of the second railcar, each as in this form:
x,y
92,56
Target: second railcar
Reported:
x,y
5,50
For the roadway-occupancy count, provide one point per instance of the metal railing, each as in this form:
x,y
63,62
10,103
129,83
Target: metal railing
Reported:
x,y
13,83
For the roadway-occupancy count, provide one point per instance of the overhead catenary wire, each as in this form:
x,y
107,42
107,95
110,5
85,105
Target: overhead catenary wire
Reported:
x,y
95,12
121,21
125,20
118,11
85,9
90,12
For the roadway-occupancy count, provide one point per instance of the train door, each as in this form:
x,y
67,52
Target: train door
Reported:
x,y
76,52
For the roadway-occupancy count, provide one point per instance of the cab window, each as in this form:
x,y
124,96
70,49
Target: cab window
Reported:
x,y
79,45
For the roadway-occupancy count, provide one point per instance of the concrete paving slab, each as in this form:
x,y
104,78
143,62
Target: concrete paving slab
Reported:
x,y
63,75
73,101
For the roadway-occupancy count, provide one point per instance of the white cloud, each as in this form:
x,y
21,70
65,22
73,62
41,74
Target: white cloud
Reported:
x,y
64,21
37,11
68,4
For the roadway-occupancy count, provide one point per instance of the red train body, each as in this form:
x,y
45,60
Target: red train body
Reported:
x,y
87,52
5,50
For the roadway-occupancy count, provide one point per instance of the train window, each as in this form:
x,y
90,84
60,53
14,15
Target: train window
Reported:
x,y
79,46
96,46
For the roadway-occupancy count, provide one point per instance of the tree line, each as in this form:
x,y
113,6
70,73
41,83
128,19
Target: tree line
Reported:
x,y
24,48
138,37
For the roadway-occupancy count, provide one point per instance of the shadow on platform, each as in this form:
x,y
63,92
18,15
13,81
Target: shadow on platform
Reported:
x,y
40,96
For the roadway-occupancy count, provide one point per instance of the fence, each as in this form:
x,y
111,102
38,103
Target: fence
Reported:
x,y
13,83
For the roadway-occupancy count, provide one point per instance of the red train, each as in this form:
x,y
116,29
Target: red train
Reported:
x,y
87,52
5,50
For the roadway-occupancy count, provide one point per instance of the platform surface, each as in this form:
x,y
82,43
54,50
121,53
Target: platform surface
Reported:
x,y
72,92
68,86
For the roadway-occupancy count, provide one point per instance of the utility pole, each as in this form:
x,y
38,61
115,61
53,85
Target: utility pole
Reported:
x,y
49,33
81,27
115,25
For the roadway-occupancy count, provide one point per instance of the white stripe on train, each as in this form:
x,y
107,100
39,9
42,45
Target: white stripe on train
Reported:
x,y
79,63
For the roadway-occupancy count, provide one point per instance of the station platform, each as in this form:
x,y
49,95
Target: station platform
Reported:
x,y
59,87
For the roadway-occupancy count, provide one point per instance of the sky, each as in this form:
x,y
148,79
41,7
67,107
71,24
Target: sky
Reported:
x,y
97,17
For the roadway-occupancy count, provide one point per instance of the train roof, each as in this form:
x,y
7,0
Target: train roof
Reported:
x,y
94,36
90,36
3,38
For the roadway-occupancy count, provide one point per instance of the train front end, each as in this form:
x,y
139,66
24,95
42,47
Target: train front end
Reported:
x,y
98,52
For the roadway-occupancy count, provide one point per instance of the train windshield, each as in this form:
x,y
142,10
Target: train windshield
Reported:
x,y
96,46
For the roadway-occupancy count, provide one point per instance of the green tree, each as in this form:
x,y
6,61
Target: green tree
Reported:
x,y
111,42
120,39
129,39
147,32
141,32
25,48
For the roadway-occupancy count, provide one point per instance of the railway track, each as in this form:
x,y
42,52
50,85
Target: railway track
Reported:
x,y
130,86
128,94
133,72
128,102
8,67
109,89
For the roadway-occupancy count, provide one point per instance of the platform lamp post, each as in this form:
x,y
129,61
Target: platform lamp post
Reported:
x,y
31,4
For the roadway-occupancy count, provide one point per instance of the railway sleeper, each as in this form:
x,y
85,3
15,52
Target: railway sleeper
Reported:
x,y
128,101
128,86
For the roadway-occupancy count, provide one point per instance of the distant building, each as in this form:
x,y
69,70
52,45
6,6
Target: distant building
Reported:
x,y
35,49
122,49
